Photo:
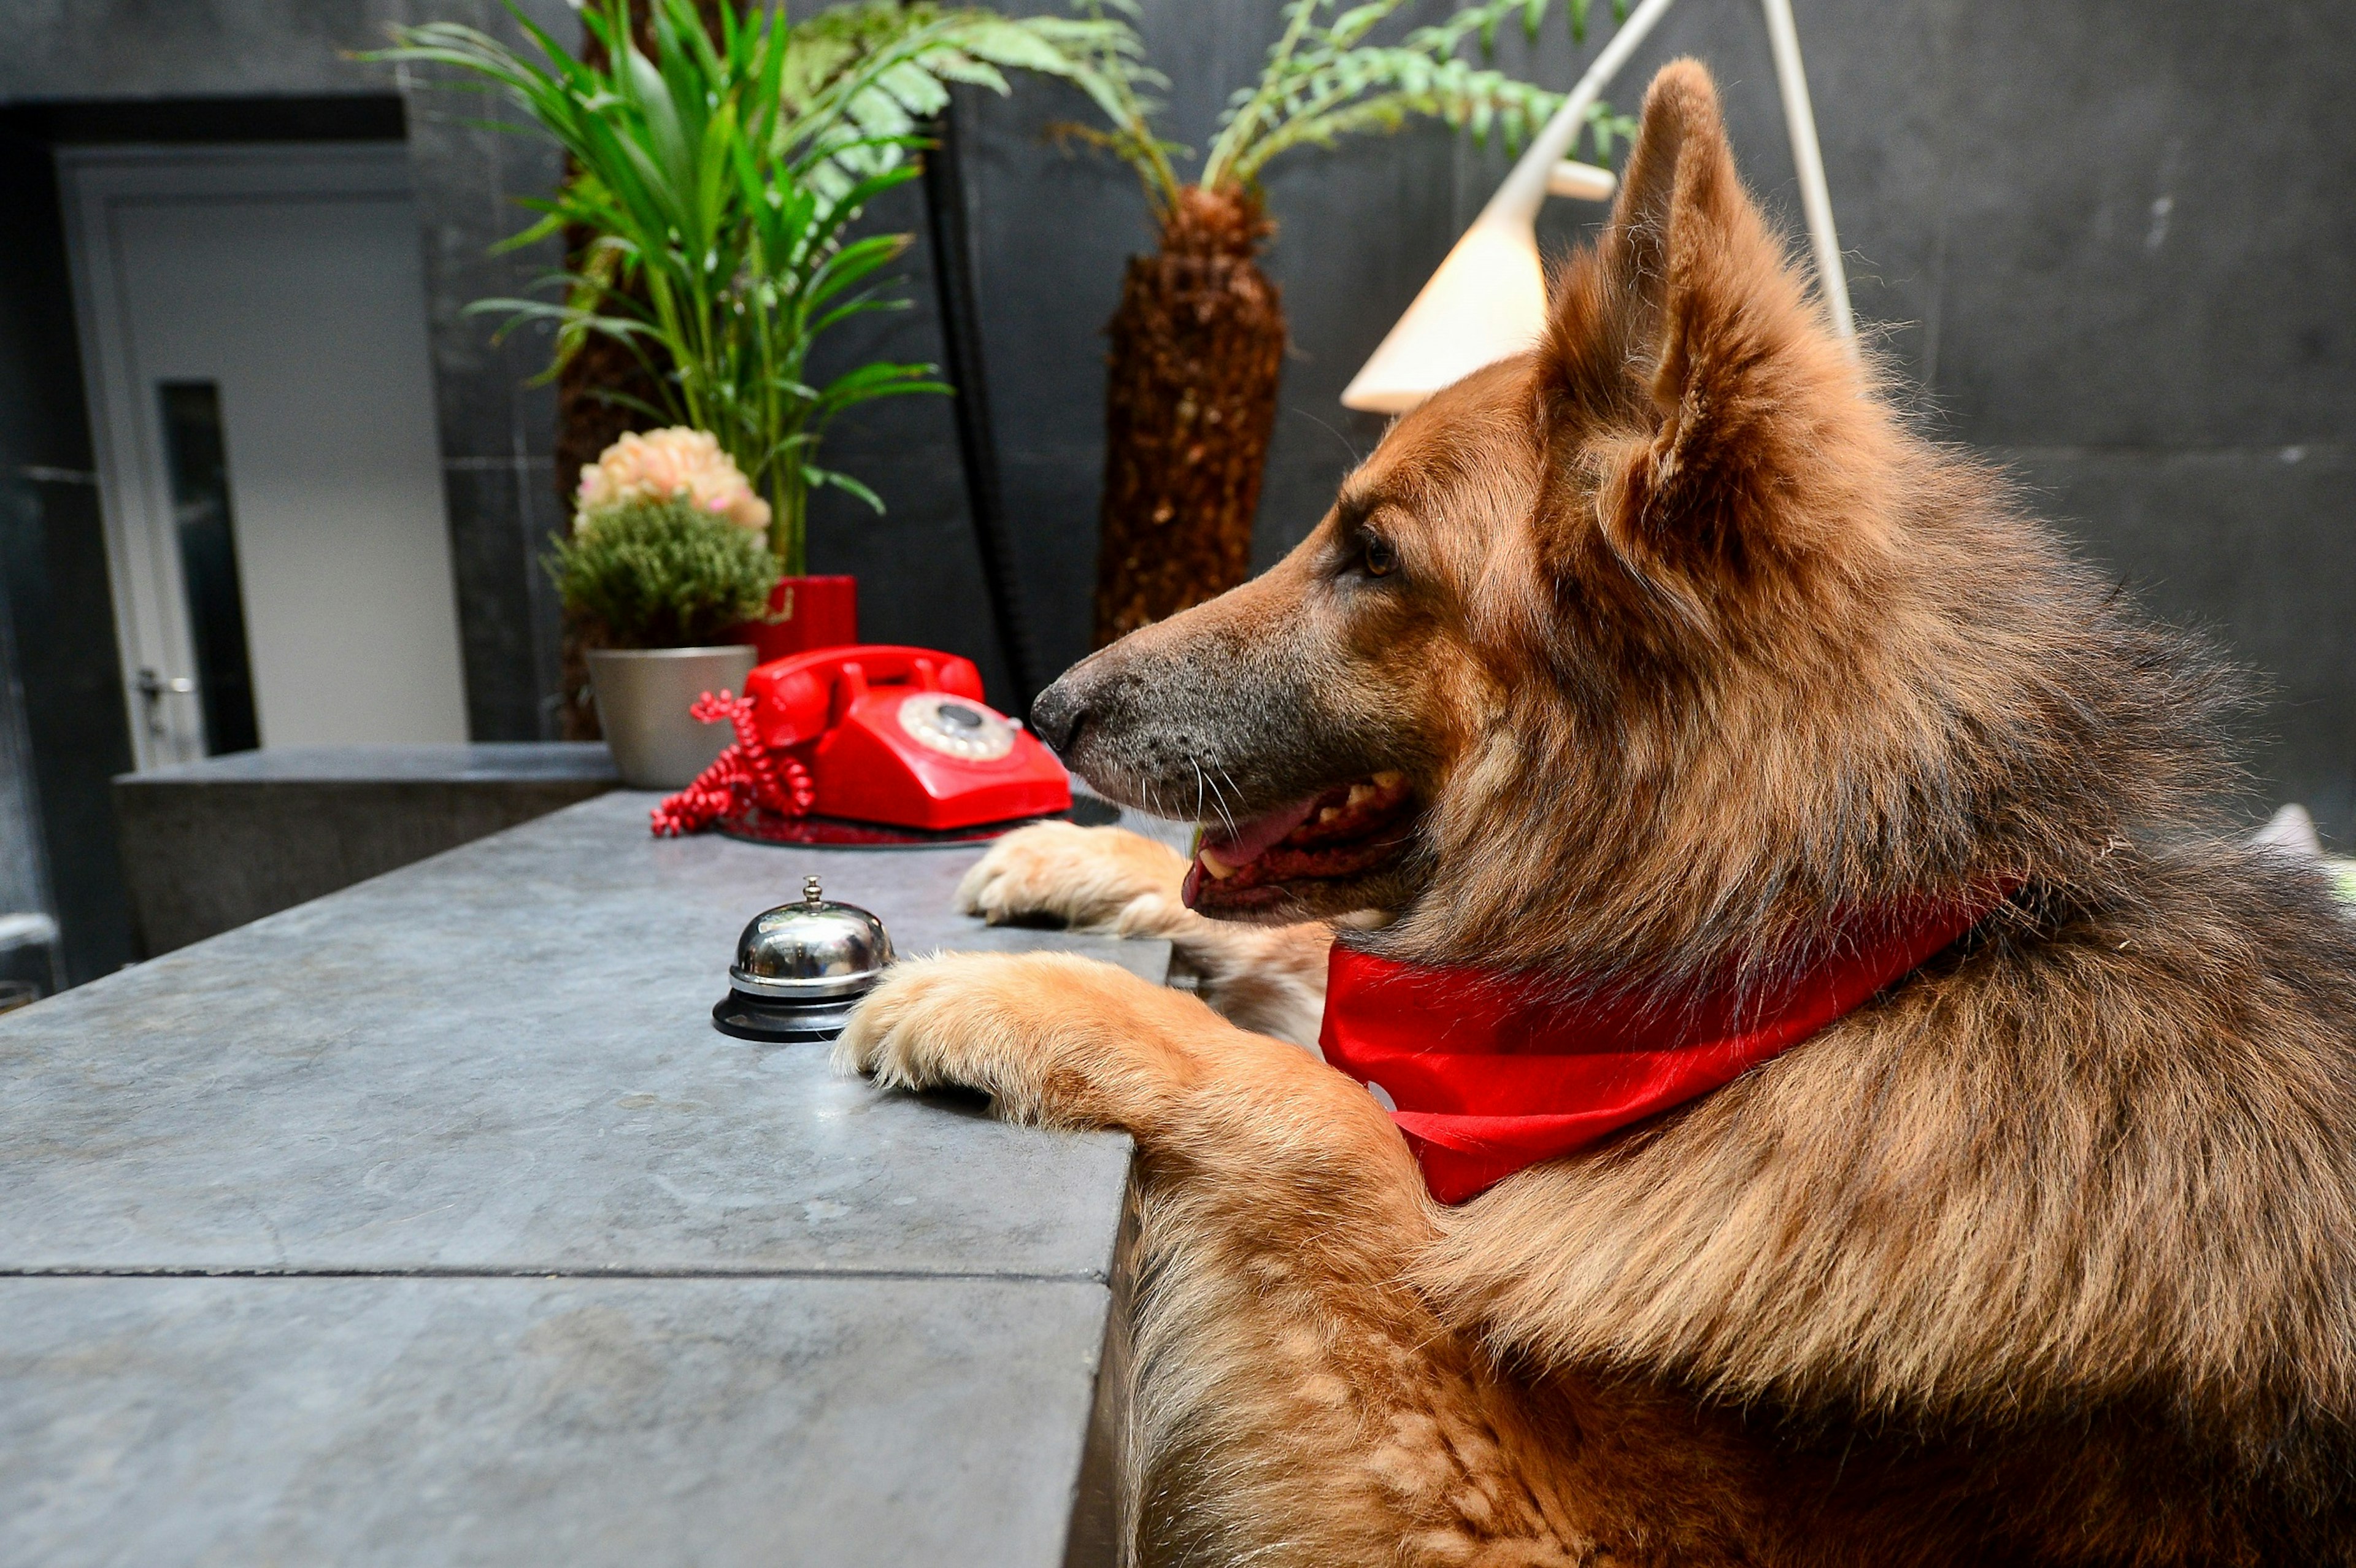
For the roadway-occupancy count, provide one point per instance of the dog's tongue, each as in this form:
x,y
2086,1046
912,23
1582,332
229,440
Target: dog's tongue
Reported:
x,y
1245,842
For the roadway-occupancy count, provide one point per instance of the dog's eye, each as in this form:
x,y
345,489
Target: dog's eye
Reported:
x,y
1376,556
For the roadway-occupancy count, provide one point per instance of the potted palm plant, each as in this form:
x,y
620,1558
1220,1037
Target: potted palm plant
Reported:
x,y
717,174
666,559
1198,339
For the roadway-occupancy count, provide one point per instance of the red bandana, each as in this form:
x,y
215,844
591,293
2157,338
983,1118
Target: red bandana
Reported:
x,y
1487,1073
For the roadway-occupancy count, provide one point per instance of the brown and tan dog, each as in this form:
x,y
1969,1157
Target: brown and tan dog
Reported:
x,y
1628,659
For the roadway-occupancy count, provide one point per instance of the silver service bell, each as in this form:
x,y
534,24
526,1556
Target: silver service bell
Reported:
x,y
799,968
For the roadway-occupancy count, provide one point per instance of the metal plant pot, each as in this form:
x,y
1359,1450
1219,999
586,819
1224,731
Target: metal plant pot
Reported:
x,y
643,696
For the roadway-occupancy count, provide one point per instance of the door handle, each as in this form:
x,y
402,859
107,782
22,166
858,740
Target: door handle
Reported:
x,y
154,688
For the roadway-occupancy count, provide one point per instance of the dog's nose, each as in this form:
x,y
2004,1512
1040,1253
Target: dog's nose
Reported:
x,y
1058,713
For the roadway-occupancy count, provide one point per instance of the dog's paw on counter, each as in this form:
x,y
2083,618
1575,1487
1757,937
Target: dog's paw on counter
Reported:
x,y
1052,1038
1054,874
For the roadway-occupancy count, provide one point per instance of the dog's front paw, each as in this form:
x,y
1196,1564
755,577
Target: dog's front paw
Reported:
x,y
1051,1036
1083,877
903,1033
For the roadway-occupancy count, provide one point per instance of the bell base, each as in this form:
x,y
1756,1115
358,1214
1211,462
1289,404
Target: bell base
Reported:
x,y
744,1016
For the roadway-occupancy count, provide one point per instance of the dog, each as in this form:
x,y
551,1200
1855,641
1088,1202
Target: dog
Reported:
x,y
1638,661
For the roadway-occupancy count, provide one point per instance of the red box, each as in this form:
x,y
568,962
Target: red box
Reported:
x,y
812,613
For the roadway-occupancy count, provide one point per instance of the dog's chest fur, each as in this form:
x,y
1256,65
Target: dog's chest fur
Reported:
x,y
2026,1260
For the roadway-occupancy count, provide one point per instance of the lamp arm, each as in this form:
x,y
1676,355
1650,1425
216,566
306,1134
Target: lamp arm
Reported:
x,y
1816,200
1525,190
1488,298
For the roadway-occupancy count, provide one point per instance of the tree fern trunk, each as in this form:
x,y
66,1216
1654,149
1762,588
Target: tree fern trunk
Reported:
x,y
1190,403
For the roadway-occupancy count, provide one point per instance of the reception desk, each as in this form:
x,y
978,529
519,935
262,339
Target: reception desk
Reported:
x,y
431,1223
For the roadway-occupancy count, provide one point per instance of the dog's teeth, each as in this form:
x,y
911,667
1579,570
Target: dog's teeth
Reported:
x,y
1217,867
1359,792
1389,778
1328,814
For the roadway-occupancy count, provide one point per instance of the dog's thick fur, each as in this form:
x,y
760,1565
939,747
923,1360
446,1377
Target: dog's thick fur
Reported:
x,y
2046,1255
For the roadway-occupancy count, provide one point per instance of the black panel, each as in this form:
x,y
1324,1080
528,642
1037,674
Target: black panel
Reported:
x,y
197,458
342,117
53,567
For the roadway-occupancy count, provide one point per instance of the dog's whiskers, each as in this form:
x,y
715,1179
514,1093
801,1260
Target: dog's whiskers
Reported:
x,y
1232,789
1218,797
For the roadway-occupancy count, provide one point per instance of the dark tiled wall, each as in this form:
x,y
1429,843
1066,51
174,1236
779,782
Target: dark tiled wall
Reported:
x,y
497,429
2112,243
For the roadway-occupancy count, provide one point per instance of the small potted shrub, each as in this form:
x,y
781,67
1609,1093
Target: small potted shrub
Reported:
x,y
668,560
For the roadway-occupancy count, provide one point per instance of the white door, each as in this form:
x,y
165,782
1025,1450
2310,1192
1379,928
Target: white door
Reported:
x,y
253,330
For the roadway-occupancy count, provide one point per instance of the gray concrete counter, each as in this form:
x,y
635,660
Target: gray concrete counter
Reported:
x,y
209,845
432,1222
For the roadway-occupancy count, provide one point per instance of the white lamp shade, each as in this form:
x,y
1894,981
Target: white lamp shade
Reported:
x,y
1488,299
1583,182
1486,302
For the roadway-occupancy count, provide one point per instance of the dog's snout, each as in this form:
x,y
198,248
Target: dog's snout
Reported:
x,y
1059,714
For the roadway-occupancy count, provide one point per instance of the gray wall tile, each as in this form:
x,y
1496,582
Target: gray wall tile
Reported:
x,y
2121,229
2252,548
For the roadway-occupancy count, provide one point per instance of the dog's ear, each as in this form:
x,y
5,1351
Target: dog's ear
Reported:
x,y
1698,374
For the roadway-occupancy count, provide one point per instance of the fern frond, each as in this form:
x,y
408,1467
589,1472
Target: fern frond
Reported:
x,y
875,61
1324,80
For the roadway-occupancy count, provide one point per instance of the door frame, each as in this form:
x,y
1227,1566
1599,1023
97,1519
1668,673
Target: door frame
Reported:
x,y
95,184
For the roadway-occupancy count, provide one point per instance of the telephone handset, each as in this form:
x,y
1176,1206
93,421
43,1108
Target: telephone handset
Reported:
x,y
901,736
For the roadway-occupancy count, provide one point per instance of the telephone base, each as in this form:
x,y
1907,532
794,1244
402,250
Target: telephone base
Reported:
x,y
758,826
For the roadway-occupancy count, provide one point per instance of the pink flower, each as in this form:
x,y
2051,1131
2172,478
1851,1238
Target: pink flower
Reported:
x,y
677,463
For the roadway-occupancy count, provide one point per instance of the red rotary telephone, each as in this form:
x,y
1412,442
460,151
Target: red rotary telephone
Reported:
x,y
901,736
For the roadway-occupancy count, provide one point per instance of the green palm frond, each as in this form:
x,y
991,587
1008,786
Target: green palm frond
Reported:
x,y
720,175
